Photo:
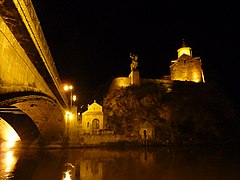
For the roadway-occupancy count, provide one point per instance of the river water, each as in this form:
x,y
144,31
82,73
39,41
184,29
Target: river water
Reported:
x,y
167,163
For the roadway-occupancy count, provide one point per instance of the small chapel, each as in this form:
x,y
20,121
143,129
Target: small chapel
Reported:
x,y
92,119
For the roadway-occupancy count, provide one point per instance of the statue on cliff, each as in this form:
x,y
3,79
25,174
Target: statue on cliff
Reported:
x,y
134,63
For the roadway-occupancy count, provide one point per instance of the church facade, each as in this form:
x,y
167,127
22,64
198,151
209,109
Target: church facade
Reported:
x,y
92,119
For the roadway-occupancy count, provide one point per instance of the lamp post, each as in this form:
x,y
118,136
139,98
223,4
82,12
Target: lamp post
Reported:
x,y
69,88
71,114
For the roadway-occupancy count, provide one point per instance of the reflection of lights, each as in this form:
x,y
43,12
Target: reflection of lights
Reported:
x,y
67,175
10,144
9,161
5,146
11,138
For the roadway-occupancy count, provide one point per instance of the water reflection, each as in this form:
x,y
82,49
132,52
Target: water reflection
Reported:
x,y
69,172
67,175
8,162
98,164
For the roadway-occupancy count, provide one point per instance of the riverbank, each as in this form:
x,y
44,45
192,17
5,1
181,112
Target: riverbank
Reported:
x,y
92,141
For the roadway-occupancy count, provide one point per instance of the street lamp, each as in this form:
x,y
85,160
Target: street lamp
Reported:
x,y
69,88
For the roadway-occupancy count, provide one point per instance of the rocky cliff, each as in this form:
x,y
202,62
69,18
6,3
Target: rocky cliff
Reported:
x,y
191,113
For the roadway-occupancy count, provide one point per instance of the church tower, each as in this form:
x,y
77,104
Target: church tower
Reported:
x,y
184,50
186,67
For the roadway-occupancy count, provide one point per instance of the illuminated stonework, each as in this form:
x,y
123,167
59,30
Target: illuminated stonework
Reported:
x,y
132,80
186,67
92,119
184,50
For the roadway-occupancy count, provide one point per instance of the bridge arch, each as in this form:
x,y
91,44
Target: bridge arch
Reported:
x,y
37,118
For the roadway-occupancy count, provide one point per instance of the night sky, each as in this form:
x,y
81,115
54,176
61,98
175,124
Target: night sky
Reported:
x,y
90,41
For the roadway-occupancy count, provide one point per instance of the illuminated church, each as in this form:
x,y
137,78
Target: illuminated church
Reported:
x,y
184,68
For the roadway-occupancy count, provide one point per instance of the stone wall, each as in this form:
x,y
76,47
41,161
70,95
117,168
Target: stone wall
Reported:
x,y
187,69
119,82
94,140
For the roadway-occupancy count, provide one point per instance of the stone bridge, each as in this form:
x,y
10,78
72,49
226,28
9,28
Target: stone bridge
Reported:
x,y
31,98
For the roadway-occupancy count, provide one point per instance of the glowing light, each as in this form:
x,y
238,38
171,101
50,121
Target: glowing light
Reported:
x,y
184,50
67,175
5,146
69,115
196,77
10,144
74,97
9,136
12,136
67,87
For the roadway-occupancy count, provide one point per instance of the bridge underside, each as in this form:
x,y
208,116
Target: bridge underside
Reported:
x,y
31,97
35,117
23,42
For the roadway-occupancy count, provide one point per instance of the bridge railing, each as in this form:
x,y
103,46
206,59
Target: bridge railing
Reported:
x,y
27,11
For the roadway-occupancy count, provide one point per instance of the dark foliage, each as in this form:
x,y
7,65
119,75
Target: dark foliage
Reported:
x,y
190,113
201,111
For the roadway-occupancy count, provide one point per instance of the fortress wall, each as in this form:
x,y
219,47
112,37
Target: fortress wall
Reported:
x,y
120,82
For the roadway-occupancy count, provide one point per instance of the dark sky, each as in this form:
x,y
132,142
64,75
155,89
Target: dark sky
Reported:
x,y
90,41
